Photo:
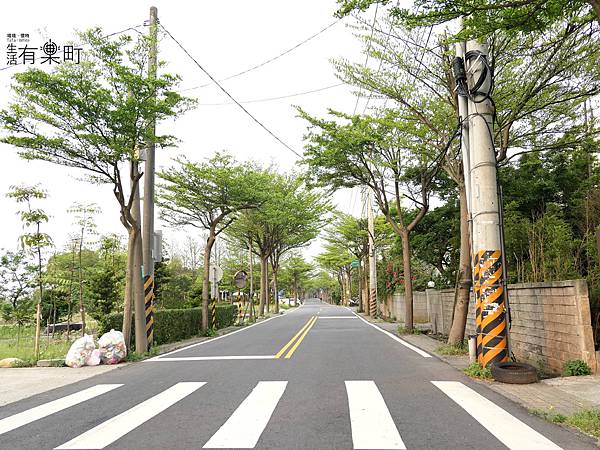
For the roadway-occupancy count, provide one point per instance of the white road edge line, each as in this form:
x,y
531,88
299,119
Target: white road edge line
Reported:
x,y
509,430
39,412
396,338
108,432
215,358
371,422
245,426
208,341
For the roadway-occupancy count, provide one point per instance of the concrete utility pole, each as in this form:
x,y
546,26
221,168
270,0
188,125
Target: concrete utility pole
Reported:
x,y
488,274
148,223
141,341
372,257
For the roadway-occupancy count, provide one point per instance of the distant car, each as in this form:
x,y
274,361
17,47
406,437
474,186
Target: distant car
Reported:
x,y
353,302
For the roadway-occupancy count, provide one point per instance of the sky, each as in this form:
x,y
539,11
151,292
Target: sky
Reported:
x,y
226,37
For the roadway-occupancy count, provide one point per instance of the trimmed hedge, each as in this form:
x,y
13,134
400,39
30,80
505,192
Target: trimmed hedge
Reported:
x,y
171,325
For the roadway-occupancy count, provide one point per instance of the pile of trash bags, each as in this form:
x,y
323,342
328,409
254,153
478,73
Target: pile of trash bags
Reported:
x,y
111,350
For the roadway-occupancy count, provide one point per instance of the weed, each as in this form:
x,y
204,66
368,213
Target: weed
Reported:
x,y
576,367
453,350
210,332
404,330
587,421
476,371
549,416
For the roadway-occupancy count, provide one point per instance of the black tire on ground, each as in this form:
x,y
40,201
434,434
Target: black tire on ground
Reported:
x,y
514,373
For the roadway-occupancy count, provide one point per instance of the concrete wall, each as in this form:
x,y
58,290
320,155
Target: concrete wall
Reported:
x,y
551,322
395,307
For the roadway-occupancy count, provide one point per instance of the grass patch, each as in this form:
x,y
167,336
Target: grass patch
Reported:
x,y
474,370
453,350
134,356
549,416
403,330
587,420
24,349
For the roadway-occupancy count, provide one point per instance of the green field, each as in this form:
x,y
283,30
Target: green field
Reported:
x,y
15,344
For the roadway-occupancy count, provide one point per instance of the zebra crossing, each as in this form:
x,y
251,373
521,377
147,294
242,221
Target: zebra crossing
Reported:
x,y
372,425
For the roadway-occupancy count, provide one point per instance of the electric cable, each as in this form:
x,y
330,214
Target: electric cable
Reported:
x,y
228,94
270,60
275,98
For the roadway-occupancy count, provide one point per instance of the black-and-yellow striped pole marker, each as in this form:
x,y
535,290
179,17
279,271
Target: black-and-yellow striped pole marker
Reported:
x,y
490,307
149,307
213,314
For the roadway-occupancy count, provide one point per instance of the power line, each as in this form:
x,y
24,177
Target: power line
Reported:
x,y
367,56
228,94
270,60
274,98
105,36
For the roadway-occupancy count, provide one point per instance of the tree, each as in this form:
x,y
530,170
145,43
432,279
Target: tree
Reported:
x,y
394,157
35,241
209,196
93,116
541,83
297,270
84,217
16,277
484,17
352,233
336,260
289,219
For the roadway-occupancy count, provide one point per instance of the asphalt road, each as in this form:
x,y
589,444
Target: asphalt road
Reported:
x,y
341,384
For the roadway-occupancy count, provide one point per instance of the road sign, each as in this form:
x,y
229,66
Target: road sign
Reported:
x,y
215,274
355,264
240,278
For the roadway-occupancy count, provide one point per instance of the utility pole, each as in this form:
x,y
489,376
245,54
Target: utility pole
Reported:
x,y
372,257
148,223
251,264
141,341
488,273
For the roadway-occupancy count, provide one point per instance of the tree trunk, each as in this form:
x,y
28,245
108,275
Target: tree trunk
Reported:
x,y
141,340
205,277
408,292
461,308
81,306
366,302
596,7
296,291
275,293
128,288
264,285
360,288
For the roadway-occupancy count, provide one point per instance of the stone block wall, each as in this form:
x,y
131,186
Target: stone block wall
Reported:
x,y
395,307
551,322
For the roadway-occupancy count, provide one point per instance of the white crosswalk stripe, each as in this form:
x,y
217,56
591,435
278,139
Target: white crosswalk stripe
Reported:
x,y
245,426
372,424
108,432
39,412
505,427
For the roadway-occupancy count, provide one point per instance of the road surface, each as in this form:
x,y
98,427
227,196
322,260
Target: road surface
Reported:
x,y
318,377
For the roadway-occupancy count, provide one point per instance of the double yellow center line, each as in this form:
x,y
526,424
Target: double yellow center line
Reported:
x,y
297,339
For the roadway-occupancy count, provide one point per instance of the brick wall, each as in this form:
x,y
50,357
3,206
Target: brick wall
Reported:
x,y
551,322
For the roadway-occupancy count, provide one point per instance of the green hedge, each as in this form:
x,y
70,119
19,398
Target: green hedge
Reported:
x,y
171,325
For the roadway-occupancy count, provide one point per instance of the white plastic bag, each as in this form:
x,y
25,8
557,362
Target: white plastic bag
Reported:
x,y
94,358
112,347
80,350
